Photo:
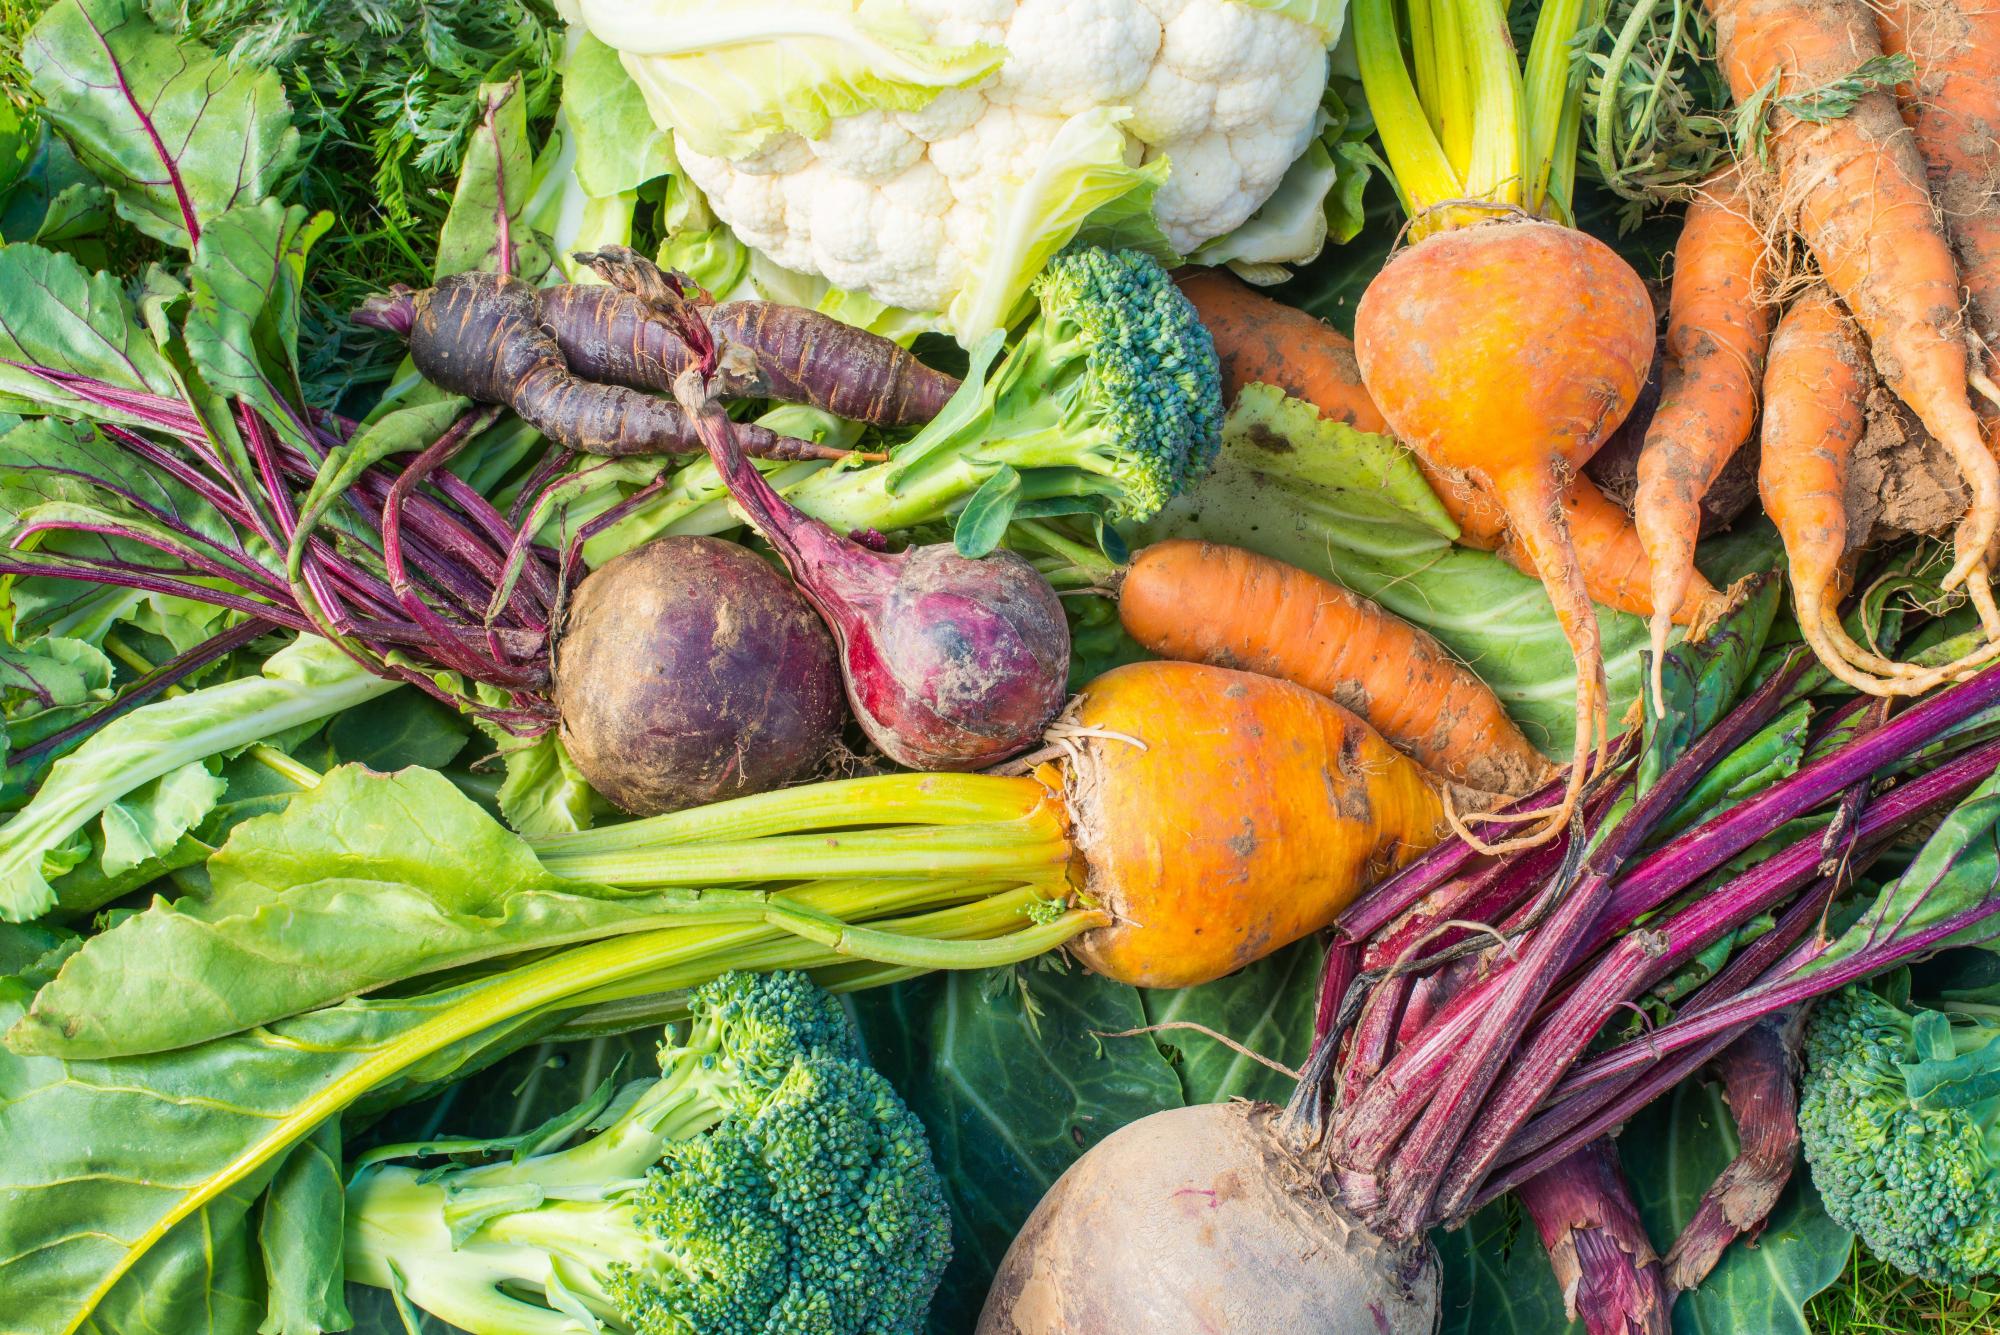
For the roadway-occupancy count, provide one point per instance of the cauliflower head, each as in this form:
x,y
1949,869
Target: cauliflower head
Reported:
x,y
933,154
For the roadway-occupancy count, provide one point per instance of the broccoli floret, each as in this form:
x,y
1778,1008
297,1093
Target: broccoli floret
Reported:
x,y
1900,1120
1110,400
769,1181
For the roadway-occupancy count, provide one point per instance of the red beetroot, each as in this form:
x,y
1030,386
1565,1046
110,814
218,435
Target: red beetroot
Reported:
x,y
950,663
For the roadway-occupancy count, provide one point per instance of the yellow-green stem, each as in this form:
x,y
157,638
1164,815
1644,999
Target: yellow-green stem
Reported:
x,y
887,799
299,775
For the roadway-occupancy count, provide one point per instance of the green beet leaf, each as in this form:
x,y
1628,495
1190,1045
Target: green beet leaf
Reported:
x,y
243,308
307,680
367,879
177,134
61,316
1956,869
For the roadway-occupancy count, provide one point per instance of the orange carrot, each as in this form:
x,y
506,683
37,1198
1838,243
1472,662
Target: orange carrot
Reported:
x,y
1263,341
1815,390
1220,815
1717,330
1208,603
1506,352
1864,208
1954,109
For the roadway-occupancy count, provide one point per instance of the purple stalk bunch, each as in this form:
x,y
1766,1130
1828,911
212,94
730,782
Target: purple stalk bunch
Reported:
x,y
1456,1062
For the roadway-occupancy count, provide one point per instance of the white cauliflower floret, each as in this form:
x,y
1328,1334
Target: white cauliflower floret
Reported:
x,y
899,199
1064,56
868,147
1170,106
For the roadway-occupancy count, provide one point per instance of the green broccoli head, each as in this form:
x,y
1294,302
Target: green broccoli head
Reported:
x,y
770,1181
1109,403
1898,1120
1120,370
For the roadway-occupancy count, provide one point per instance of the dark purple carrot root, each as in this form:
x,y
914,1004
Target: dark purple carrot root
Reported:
x,y
482,335
802,356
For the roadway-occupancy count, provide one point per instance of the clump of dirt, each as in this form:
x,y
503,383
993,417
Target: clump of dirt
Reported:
x,y
1900,480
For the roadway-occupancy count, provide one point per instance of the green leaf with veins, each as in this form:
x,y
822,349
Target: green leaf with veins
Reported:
x,y
543,792
169,127
618,145
243,308
299,1227
1496,1277
61,317
1010,1099
308,679
363,881
1267,1007
85,1248
149,821
494,184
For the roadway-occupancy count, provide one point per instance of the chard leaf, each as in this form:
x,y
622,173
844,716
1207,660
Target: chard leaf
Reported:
x,y
544,793
299,1235
59,316
131,1182
1352,507
365,880
492,185
149,821
178,135
309,679
243,310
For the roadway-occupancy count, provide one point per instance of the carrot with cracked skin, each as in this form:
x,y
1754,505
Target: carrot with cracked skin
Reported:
x,y
483,335
1864,208
1263,341
1717,333
1953,108
1815,390
1205,602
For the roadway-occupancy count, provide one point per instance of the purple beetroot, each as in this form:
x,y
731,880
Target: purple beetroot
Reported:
x,y
691,670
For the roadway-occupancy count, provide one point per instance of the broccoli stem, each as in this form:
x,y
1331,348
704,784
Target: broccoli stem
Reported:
x,y
397,1239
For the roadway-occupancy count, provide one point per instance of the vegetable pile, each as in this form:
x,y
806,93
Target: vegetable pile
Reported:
x,y
785,680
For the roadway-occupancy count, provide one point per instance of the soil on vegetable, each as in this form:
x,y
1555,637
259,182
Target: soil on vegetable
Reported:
x,y
1901,480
